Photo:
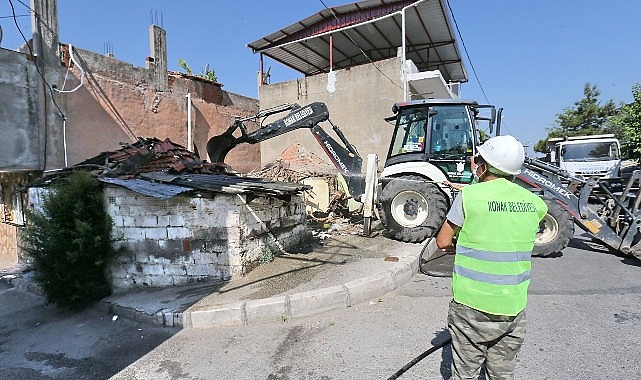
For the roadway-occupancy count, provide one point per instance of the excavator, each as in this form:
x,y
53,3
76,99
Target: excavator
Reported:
x,y
432,145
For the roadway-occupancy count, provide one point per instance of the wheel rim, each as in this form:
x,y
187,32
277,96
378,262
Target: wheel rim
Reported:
x,y
409,209
548,230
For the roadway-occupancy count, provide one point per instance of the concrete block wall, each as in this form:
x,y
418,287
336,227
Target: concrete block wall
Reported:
x,y
187,238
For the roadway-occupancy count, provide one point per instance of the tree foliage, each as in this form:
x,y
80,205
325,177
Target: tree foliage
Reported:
x,y
70,242
629,120
586,117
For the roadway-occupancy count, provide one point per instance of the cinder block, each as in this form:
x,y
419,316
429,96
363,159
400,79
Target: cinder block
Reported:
x,y
128,221
122,283
148,220
178,232
142,256
117,219
171,269
156,233
176,220
317,301
211,316
266,309
153,269
163,220
369,287
133,233
161,281
197,270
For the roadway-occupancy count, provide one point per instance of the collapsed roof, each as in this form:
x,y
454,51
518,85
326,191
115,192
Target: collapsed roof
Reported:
x,y
163,169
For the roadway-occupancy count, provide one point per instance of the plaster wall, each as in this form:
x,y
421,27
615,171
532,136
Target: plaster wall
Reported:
x,y
21,124
118,103
186,239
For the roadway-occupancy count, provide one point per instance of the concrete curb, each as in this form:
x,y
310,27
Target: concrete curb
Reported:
x,y
164,317
245,312
304,304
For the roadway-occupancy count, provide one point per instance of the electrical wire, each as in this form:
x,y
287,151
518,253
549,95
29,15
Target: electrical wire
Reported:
x,y
27,15
82,74
466,52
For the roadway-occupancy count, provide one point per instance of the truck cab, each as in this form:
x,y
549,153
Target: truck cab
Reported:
x,y
433,142
436,138
587,156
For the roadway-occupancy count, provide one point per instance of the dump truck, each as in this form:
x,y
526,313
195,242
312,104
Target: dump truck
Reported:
x,y
586,156
432,143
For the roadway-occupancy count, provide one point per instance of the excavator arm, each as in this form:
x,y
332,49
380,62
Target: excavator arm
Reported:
x,y
345,157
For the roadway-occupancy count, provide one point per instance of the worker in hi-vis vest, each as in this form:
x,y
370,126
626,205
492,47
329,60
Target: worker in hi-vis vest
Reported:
x,y
491,228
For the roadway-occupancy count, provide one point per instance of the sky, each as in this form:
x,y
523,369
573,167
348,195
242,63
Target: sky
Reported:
x,y
531,58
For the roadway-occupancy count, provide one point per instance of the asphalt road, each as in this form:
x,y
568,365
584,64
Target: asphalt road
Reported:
x,y
584,322
38,341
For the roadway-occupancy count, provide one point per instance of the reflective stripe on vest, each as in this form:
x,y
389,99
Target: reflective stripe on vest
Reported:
x,y
492,263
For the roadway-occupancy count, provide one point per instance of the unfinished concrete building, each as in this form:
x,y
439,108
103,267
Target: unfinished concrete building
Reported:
x,y
360,59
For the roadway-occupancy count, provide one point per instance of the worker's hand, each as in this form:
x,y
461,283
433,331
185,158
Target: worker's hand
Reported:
x,y
449,250
451,185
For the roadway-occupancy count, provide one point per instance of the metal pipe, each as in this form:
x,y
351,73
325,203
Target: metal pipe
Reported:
x,y
189,143
403,62
331,52
64,138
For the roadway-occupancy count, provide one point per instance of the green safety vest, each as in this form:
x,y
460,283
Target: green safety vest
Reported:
x,y
492,263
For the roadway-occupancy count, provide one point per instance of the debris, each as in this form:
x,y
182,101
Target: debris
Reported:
x,y
114,318
391,258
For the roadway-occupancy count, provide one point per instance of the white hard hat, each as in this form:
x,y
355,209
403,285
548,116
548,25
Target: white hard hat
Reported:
x,y
503,153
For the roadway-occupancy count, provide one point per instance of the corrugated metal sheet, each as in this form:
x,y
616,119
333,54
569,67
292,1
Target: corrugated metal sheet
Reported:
x,y
162,169
373,27
152,189
229,184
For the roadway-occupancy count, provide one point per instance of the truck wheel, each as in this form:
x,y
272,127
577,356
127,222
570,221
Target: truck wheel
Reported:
x,y
555,230
412,210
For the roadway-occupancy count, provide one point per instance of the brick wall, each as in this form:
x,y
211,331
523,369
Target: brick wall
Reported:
x,y
8,246
187,239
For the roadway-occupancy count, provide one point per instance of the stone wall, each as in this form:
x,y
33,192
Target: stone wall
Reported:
x,y
189,238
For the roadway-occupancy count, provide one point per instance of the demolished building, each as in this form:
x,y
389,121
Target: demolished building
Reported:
x,y
180,220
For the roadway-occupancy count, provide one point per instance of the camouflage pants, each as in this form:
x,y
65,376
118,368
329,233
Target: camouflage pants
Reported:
x,y
479,338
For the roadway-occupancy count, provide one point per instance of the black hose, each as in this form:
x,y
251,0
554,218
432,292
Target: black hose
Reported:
x,y
417,359
420,257
421,264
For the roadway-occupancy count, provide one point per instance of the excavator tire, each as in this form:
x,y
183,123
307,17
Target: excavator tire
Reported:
x,y
411,209
555,230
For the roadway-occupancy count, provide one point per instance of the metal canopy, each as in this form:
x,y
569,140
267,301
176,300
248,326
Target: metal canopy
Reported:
x,y
368,30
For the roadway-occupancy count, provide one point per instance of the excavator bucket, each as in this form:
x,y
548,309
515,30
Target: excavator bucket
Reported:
x,y
219,146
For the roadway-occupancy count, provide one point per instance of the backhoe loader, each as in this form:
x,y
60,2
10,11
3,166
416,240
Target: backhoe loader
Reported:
x,y
433,142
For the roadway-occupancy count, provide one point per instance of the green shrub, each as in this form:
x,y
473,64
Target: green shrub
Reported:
x,y
70,242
